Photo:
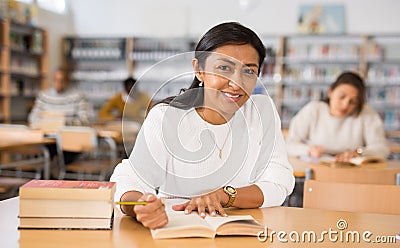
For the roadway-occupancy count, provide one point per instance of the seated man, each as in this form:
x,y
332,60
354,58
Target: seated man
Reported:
x,y
63,100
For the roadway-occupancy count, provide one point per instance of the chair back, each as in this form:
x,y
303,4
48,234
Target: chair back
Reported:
x,y
76,139
50,122
366,198
348,174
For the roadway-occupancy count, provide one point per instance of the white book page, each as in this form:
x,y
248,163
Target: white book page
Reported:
x,y
217,221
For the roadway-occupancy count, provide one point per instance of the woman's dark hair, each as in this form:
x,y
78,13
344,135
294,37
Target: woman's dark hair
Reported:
x,y
229,33
354,80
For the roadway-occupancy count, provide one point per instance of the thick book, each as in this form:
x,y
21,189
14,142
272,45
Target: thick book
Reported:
x,y
71,203
65,223
67,190
65,208
182,225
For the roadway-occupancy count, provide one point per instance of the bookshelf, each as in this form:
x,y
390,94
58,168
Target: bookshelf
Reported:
x,y
97,65
383,77
23,68
297,68
162,65
310,63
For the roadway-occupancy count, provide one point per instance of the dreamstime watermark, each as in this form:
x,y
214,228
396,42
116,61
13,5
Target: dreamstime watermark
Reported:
x,y
331,235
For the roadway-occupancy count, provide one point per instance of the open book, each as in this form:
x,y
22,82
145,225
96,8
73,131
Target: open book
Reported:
x,y
181,225
357,161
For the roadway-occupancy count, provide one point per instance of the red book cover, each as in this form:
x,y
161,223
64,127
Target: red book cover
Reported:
x,y
67,189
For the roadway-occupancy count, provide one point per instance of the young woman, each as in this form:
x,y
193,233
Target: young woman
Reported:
x,y
214,145
342,125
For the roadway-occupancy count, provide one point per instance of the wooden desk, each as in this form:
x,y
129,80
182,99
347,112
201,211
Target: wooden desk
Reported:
x,y
11,144
128,233
300,167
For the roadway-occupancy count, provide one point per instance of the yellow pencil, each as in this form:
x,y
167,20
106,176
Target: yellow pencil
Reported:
x,y
132,203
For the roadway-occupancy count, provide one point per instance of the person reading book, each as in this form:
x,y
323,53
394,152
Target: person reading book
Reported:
x,y
214,145
342,125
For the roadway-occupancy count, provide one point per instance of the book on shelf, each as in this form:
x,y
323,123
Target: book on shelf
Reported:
x,y
66,204
182,225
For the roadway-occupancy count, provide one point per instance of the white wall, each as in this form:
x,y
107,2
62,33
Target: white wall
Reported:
x,y
194,17
56,26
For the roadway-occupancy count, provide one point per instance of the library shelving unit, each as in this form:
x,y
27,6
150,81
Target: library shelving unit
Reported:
x,y
23,69
270,76
383,77
97,65
297,68
162,65
310,63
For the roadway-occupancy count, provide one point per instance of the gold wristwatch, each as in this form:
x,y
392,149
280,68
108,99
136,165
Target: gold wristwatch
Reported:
x,y
359,151
231,192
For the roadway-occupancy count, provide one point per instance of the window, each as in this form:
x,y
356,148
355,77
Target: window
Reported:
x,y
58,6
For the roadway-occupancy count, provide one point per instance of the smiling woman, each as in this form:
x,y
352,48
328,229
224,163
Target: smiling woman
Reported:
x,y
215,145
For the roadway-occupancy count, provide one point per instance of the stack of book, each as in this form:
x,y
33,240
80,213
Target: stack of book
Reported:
x,y
60,204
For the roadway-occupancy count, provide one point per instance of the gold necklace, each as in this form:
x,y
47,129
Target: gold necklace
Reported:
x,y
215,142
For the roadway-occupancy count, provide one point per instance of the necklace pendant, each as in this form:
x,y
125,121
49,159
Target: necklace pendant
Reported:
x,y
220,153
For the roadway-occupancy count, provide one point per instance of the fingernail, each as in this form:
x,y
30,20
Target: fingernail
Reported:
x,y
202,214
225,215
186,211
213,214
148,197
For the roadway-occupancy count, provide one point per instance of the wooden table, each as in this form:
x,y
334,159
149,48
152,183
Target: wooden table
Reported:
x,y
300,166
128,233
21,143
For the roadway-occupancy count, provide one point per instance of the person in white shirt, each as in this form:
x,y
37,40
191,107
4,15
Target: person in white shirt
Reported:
x,y
63,99
342,125
214,145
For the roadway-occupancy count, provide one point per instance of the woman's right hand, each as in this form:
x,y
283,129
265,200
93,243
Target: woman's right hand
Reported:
x,y
315,151
151,215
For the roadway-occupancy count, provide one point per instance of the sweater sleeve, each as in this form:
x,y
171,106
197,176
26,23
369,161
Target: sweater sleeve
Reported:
x,y
374,135
84,112
277,180
147,154
34,115
299,131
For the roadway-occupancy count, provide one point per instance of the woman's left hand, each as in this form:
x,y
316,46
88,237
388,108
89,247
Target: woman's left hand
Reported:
x,y
346,156
210,203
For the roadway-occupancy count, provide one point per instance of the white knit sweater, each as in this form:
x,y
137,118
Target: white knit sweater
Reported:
x,y
175,151
71,102
314,125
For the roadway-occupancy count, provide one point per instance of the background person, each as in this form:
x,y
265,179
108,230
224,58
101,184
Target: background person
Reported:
x,y
63,99
342,125
136,103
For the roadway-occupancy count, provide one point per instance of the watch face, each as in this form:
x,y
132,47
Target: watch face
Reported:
x,y
230,190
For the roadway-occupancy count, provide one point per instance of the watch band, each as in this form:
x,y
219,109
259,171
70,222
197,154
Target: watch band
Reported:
x,y
231,192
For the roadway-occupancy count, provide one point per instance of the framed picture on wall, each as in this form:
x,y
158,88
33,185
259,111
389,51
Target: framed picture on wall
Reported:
x,y
321,19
